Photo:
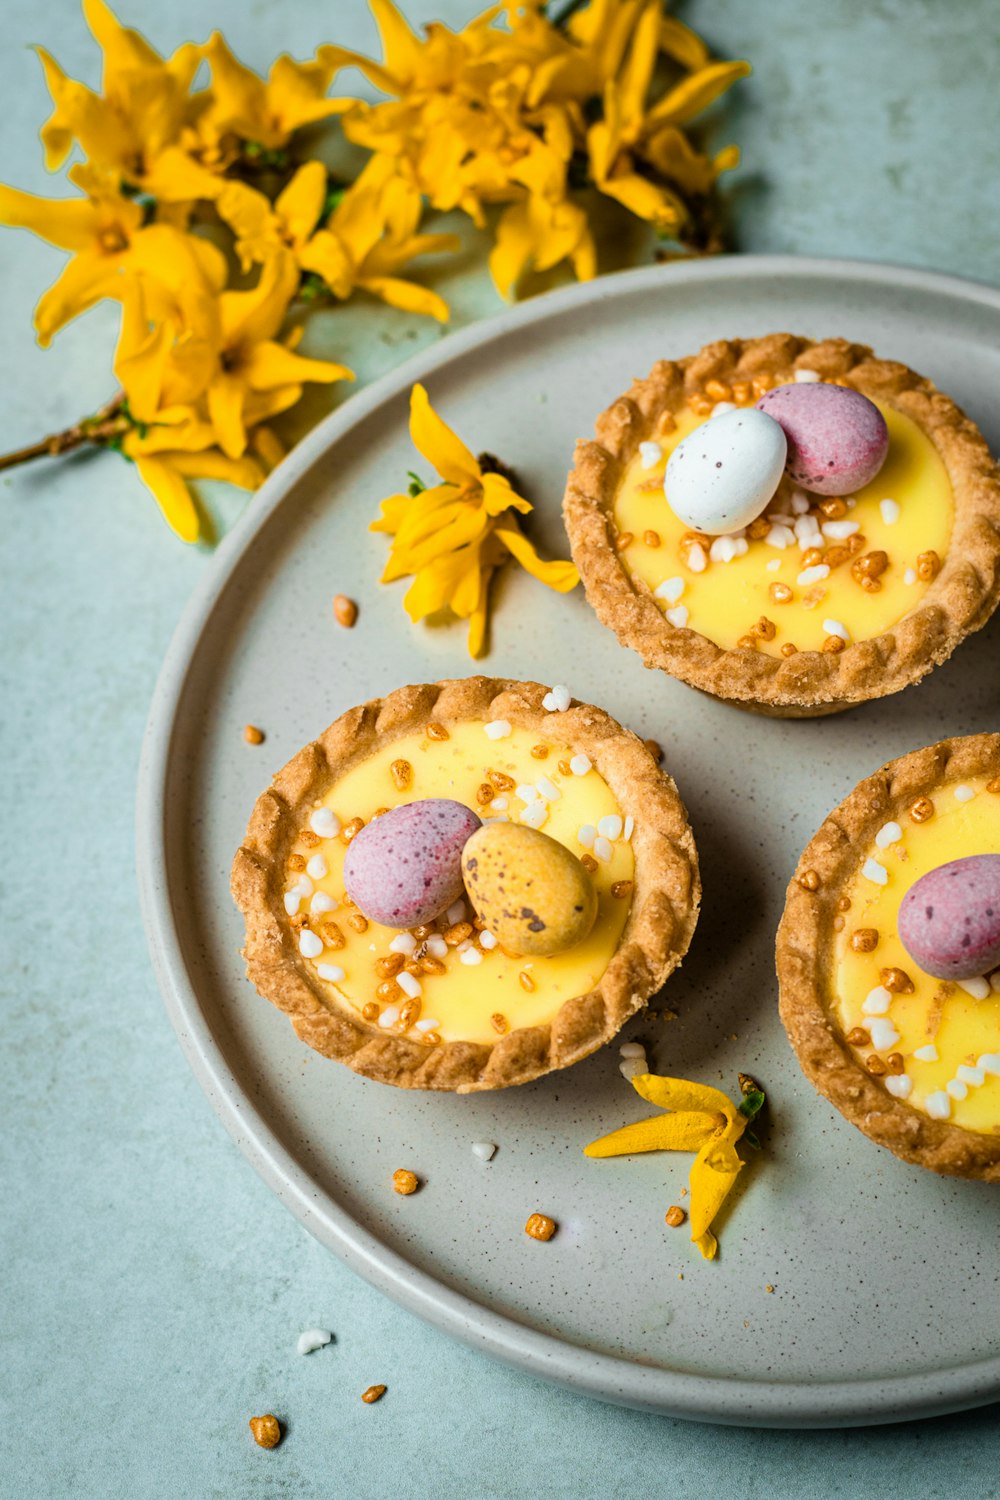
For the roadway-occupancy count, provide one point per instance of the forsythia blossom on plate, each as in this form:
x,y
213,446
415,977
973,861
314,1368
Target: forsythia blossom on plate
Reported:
x,y
452,536
700,1119
194,181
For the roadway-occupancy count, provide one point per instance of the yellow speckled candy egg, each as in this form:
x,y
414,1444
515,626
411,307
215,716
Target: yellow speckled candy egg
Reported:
x,y
532,893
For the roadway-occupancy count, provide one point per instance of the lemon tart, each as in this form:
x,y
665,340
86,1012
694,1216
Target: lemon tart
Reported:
x,y
440,1002
910,1057
823,600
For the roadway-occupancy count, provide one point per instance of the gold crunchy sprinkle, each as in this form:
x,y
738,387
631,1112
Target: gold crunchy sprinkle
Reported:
x,y
621,888
875,1066
485,794
351,830
369,1011
858,1037
655,749
809,880
699,404
254,736
345,611
865,940
589,862
765,629
373,1393
565,768
675,1216
358,922
833,645
894,1062
437,732
763,382
897,981
843,903
310,839
870,565
789,650
833,507
525,980
651,538
742,392
389,966
780,593
404,1182
457,933
811,557
402,774
296,863
747,642
922,810
539,751
409,1012
499,1023
718,390
501,781
758,529
331,934
431,965
928,565
540,1227
266,1431
388,990
994,785
623,540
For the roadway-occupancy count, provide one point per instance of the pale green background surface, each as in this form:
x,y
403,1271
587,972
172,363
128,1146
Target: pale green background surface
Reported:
x,y
153,1287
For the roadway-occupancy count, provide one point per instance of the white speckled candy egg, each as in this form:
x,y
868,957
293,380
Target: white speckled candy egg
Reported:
x,y
721,477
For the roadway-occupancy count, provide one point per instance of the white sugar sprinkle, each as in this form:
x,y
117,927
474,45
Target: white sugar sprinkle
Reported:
x,y
927,1053
485,1150
436,945
470,956
670,589
720,407
872,870
487,941
725,548
631,1049
890,511
548,789
990,1063
316,868
650,455
610,826
535,814
889,833
313,1338
558,700
333,972
909,576
938,1105
815,574
839,531
409,984
977,988
499,804
456,912
580,765
697,559
497,729
799,503
629,828
633,1067
975,1076
324,823
586,835
957,1089
322,902
403,942
526,792
834,627
774,565
602,849
877,1001
427,1023
780,537
292,899
900,1085
807,377
678,616
883,1034
389,1017
310,946
964,794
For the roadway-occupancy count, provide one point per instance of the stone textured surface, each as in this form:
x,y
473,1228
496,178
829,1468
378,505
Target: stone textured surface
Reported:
x,y
154,1287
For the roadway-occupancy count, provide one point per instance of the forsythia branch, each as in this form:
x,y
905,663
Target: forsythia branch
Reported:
x,y
101,429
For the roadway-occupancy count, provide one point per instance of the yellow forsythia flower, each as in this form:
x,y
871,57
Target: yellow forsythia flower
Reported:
x,y
700,1119
451,537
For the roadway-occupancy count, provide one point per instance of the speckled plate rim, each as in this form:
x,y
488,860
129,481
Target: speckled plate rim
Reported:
x,y
726,1400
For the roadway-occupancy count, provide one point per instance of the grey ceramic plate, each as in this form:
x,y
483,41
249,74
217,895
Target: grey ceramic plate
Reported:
x,y
884,1277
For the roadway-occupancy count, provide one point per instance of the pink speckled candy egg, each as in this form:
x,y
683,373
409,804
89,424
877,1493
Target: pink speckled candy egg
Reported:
x,y
837,438
405,867
949,920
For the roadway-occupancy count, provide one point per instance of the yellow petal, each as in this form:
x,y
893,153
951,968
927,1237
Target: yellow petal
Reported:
x,y
407,296
438,443
174,176
123,48
246,473
710,1186
70,223
561,576
301,202
682,44
401,49
225,409
678,1093
268,365
684,1131
239,96
498,496
268,446
693,94
635,79
656,204
84,280
512,254
172,496
464,526
248,317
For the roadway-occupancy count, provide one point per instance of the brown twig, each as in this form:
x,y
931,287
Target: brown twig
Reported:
x,y
100,429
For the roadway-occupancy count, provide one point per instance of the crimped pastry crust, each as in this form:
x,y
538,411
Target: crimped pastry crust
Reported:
x,y
805,954
655,938
959,601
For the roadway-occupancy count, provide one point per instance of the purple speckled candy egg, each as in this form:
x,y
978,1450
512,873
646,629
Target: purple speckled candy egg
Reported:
x,y
949,920
405,867
837,438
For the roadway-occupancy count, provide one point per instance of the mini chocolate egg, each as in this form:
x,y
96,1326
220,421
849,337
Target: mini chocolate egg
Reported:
x,y
405,867
837,438
722,475
533,894
949,920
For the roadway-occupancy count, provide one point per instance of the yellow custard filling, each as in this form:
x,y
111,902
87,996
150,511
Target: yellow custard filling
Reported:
x,y
946,1040
468,990
766,592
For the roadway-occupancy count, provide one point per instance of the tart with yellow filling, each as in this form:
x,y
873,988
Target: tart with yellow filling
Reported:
x,y
823,600
904,870
473,997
